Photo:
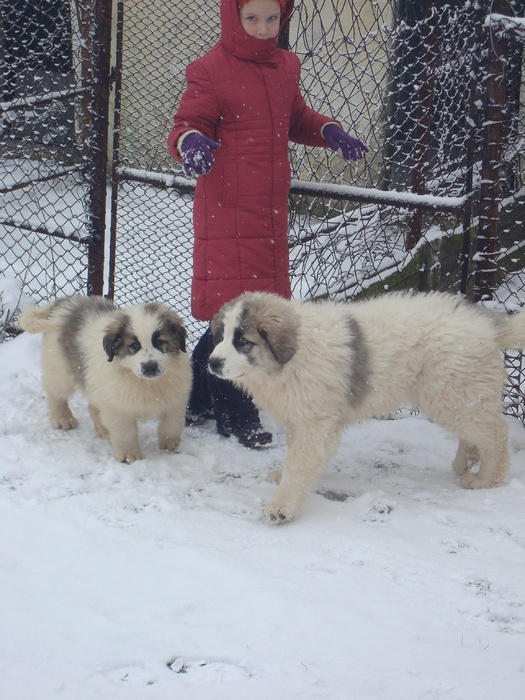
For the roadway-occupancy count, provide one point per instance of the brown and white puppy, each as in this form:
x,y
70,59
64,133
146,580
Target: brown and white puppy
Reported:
x,y
316,367
130,363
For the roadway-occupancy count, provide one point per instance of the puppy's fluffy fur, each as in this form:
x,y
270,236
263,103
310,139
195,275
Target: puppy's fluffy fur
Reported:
x,y
130,363
316,367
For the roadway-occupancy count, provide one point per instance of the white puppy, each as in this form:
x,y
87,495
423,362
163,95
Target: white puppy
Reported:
x,y
131,364
316,367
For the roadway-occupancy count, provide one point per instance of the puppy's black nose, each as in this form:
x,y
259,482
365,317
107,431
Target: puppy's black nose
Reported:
x,y
149,369
215,365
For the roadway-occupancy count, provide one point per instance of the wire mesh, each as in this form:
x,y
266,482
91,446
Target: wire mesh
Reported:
x,y
405,77
46,87
349,53
409,78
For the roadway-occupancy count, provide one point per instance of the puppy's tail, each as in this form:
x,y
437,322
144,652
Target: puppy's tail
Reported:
x,y
511,331
38,319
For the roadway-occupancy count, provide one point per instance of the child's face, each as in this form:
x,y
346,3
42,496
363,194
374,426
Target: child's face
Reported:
x,y
261,18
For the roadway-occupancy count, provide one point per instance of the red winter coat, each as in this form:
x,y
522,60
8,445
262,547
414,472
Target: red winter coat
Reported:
x,y
244,93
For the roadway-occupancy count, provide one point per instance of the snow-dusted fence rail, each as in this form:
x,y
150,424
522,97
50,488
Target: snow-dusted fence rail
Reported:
x,y
433,88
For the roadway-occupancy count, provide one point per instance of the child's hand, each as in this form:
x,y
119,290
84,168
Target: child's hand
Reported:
x,y
351,148
197,154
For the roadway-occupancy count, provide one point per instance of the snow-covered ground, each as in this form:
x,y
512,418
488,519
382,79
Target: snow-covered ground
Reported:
x,y
160,580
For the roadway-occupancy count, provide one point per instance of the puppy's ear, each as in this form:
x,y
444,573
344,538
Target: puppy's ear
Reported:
x,y
217,328
113,339
171,324
178,333
280,337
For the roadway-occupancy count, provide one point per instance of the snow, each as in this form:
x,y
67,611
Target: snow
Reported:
x,y
351,192
514,25
160,580
39,99
371,194
158,179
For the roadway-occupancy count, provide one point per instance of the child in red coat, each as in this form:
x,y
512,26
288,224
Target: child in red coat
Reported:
x,y
241,107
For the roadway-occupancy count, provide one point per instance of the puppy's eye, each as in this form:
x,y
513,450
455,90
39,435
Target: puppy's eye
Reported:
x,y
159,343
134,346
239,341
243,342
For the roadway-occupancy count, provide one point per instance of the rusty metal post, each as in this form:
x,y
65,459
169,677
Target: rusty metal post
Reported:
x,y
495,101
425,100
112,247
84,21
474,116
98,144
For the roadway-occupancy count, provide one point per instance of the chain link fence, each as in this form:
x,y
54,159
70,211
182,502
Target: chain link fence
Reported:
x,y
398,74
53,145
433,88
40,158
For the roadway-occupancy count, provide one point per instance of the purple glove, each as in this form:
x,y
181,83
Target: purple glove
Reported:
x,y
351,148
197,157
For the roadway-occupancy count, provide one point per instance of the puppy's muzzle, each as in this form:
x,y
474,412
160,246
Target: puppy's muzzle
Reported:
x,y
150,369
216,365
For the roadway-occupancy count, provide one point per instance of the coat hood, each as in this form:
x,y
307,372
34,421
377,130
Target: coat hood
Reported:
x,y
237,42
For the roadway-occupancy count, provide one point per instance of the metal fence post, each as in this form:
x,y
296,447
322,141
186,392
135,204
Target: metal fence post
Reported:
x,y
425,81
474,116
495,102
98,145
115,160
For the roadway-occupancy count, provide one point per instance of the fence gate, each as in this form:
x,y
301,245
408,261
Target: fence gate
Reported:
x,y
432,88
92,201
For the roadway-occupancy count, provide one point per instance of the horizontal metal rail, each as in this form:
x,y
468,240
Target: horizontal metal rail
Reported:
x,y
20,184
348,193
12,223
22,103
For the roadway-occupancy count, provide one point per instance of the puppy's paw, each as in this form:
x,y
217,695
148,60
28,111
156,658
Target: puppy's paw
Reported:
x,y
276,514
473,481
460,466
102,432
169,443
128,456
465,460
275,477
65,422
